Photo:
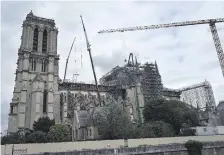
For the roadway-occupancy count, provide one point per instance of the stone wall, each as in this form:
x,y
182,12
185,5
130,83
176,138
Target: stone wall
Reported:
x,y
209,148
101,145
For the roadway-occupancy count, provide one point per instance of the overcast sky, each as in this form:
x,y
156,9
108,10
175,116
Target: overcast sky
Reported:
x,y
185,55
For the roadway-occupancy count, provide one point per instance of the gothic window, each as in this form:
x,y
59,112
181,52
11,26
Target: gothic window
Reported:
x,y
45,101
11,109
33,65
44,42
43,65
35,40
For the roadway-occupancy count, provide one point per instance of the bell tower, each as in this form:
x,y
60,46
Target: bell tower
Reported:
x,y
36,84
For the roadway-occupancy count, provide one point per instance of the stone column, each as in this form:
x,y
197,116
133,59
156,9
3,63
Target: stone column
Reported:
x,y
54,41
27,37
30,38
22,105
25,62
40,40
56,109
50,103
49,34
23,37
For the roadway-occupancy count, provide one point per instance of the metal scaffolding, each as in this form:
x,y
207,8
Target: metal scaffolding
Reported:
x,y
132,73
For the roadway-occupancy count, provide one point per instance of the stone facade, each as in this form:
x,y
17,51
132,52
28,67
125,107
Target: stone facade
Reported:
x,y
78,102
36,86
38,92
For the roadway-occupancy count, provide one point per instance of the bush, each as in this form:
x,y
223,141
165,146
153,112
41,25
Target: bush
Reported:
x,y
43,124
37,137
59,133
176,113
193,147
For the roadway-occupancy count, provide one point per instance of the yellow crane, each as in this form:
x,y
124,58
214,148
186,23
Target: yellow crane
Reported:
x,y
211,23
66,65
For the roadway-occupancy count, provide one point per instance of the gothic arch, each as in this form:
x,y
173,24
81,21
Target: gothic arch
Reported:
x,y
44,41
35,39
33,62
44,64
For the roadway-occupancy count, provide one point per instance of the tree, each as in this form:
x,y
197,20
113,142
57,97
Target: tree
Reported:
x,y
43,124
59,133
37,137
156,129
176,113
112,120
145,131
161,129
12,138
15,138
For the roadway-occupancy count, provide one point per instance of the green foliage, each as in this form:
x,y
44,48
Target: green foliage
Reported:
x,y
156,129
161,129
15,138
193,147
43,124
59,133
37,137
177,114
146,131
113,122
12,138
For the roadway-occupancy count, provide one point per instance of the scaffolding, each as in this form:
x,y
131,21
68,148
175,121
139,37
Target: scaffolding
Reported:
x,y
151,82
126,77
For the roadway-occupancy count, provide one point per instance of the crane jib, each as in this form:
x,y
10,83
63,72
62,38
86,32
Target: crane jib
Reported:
x,y
176,24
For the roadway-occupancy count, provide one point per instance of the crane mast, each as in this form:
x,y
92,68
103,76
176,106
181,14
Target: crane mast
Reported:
x,y
66,65
211,23
90,55
218,46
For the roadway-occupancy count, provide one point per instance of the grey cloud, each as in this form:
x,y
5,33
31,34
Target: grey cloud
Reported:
x,y
194,43
211,65
106,63
13,14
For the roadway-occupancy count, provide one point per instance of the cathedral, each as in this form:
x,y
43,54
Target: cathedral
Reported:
x,y
39,92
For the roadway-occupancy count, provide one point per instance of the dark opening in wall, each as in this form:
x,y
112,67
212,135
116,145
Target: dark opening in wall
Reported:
x,y
44,43
11,109
45,101
44,66
35,40
33,64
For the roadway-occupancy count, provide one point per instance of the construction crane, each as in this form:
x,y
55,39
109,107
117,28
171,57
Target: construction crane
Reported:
x,y
211,23
90,55
66,65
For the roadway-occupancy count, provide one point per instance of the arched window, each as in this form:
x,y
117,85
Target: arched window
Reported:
x,y
33,65
35,40
43,65
44,42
